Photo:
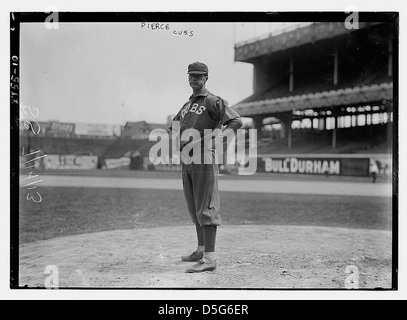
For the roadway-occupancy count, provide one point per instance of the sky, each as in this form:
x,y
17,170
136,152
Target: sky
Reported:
x,y
111,73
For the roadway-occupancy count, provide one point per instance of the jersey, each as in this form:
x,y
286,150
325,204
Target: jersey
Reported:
x,y
204,111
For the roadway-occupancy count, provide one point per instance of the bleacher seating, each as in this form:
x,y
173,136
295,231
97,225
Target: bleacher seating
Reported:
x,y
104,148
119,147
371,139
48,145
306,83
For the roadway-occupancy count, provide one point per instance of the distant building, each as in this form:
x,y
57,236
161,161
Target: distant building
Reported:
x,y
141,130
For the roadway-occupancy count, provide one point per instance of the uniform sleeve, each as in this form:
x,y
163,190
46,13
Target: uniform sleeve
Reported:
x,y
229,115
220,111
214,107
234,124
176,118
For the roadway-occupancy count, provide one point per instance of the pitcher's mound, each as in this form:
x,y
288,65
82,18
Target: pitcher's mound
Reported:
x,y
249,256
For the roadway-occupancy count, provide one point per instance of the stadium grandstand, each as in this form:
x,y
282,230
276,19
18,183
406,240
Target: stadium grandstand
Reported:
x,y
322,90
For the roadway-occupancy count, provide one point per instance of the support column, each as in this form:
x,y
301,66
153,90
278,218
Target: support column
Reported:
x,y
287,120
283,129
334,129
390,60
289,133
258,124
255,80
321,123
336,66
312,130
291,71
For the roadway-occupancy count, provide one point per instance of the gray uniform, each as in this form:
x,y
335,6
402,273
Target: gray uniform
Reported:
x,y
200,180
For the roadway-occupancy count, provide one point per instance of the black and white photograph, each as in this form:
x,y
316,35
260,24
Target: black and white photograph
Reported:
x,y
204,151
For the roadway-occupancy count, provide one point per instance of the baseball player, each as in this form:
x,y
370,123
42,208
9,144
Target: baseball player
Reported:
x,y
204,110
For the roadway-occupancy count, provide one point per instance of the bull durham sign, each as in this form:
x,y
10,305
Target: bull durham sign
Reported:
x,y
316,166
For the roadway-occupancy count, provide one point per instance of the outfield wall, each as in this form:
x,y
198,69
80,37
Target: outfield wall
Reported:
x,y
324,164
356,165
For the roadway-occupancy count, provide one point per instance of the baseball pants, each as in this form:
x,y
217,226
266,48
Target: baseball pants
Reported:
x,y
200,184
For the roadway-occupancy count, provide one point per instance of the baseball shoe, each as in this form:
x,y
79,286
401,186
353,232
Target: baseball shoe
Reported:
x,y
202,266
194,256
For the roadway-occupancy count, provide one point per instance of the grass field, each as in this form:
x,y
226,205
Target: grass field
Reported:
x,y
71,211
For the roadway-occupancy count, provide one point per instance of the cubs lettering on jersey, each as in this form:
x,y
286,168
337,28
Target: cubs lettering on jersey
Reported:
x,y
195,108
211,110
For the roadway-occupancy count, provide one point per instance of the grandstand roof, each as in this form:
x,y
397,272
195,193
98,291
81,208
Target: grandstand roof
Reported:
x,y
352,69
270,44
321,99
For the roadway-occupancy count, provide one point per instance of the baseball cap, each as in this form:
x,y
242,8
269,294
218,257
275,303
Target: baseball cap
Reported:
x,y
197,68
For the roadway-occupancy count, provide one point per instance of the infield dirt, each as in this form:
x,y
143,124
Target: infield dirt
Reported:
x,y
256,257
